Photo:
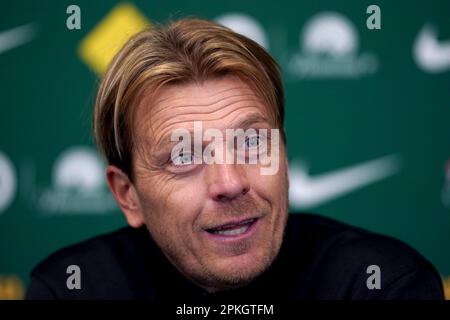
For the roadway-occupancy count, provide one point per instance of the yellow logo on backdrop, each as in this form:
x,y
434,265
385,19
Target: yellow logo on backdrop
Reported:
x,y
100,46
11,288
447,287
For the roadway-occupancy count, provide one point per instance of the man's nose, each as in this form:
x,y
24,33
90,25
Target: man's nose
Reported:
x,y
227,181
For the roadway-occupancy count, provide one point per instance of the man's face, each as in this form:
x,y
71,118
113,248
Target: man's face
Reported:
x,y
221,225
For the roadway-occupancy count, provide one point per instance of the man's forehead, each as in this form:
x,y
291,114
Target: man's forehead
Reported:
x,y
215,102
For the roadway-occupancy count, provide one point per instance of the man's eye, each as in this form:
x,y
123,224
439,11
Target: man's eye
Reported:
x,y
183,159
252,142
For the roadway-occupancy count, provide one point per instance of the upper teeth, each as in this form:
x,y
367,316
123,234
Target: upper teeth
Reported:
x,y
232,232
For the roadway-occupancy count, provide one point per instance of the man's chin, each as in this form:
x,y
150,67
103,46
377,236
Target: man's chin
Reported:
x,y
237,271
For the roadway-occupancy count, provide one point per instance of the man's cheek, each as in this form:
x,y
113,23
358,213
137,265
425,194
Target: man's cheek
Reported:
x,y
160,188
188,193
268,186
156,202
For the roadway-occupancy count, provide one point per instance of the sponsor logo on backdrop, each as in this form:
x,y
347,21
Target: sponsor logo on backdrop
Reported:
x,y
307,191
15,37
8,182
431,55
101,44
245,25
78,185
329,48
446,283
11,287
446,188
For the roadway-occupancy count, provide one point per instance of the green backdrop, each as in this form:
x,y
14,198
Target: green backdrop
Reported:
x,y
367,118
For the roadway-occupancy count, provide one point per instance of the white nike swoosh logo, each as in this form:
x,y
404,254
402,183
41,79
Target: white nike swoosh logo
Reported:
x,y
15,37
431,55
306,191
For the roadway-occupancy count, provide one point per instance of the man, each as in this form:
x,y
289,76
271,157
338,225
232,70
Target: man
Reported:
x,y
206,228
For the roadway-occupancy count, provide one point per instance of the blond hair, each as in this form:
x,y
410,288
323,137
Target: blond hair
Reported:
x,y
187,50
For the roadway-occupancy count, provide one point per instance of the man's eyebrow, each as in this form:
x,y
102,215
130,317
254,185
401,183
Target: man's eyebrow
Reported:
x,y
249,120
243,123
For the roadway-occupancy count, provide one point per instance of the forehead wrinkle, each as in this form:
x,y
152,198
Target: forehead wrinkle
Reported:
x,y
151,114
203,112
197,112
196,105
211,96
201,104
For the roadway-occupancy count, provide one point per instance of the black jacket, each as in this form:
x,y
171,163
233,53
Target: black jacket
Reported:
x,y
320,259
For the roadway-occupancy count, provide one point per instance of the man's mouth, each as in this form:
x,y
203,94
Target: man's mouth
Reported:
x,y
234,228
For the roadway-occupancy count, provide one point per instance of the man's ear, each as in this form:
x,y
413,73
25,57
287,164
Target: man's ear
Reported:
x,y
126,196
